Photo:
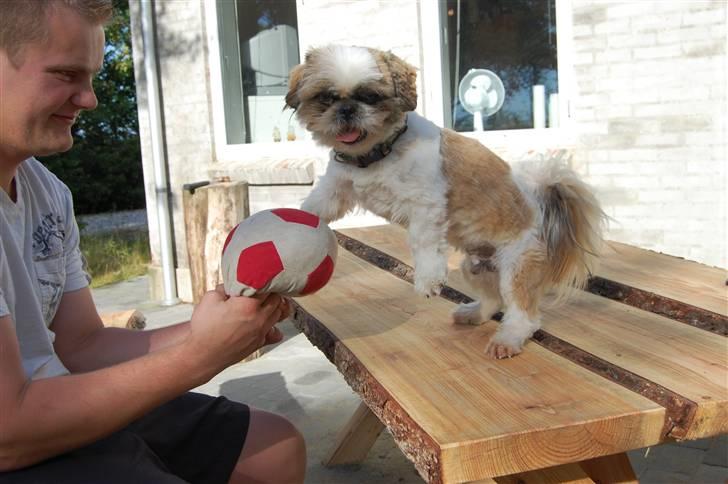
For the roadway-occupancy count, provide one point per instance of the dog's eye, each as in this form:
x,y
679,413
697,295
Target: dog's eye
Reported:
x,y
368,97
327,98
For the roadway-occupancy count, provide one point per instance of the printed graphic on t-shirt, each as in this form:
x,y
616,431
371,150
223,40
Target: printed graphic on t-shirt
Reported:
x,y
48,238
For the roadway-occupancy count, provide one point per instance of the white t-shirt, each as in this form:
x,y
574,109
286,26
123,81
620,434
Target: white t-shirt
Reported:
x,y
39,260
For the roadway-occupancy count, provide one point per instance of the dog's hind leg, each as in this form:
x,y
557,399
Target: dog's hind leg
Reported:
x,y
523,275
483,277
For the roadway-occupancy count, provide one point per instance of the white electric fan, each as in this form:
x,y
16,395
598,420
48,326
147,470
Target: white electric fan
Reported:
x,y
481,93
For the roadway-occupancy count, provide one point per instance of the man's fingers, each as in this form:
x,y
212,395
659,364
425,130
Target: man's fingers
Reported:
x,y
271,319
271,300
220,289
286,308
216,294
274,335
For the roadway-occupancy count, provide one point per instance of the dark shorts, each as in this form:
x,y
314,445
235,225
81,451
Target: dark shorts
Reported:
x,y
194,438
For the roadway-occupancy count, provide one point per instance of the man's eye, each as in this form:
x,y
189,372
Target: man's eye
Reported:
x,y
65,75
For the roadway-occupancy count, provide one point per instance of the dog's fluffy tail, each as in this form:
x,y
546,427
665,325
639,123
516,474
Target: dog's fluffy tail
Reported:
x,y
571,228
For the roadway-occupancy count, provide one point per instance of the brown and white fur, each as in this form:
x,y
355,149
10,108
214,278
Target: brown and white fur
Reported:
x,y
523,230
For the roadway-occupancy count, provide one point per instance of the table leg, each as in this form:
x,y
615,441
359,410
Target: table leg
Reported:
x,y
356,438
607,469
571,473
610,468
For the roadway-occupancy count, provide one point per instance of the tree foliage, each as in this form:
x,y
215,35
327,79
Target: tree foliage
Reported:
x,y
104,168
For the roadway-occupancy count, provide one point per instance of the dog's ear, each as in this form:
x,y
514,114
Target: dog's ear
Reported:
x,y
404,78
294,81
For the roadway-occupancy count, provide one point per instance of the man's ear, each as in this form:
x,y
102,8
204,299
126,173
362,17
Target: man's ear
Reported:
x,y
404,77
294,80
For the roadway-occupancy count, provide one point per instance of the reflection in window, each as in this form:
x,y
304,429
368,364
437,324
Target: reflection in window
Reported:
x,y
258,48
516,40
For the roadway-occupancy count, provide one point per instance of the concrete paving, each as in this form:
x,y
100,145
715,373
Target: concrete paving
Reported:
x,y
294,379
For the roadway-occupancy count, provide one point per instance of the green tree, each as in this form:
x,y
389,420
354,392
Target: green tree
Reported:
x,y
104,169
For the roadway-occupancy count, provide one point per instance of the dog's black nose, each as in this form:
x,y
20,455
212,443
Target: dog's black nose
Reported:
x,y
345,112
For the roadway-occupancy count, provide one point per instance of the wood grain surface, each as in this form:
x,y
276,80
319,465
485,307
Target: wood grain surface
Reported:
x,y
688,366
456,413
679,279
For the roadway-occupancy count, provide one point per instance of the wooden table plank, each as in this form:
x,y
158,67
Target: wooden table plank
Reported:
x,y
679,279
690,362
686,360
485,417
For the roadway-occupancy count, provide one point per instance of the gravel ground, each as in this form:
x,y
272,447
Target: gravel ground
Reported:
x,y
107,222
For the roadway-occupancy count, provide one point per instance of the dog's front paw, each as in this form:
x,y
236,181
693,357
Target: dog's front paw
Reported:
x,y
428,287
430,276
502,345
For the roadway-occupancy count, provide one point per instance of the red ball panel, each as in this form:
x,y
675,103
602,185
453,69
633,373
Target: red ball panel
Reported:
x,y
258,264
319,277
297,216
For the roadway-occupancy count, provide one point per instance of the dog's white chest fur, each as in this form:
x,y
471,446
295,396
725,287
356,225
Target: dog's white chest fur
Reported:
x,y
405,184
406,187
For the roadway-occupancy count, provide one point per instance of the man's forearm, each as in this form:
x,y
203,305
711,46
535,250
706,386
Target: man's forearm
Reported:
x,y
58,414
109,346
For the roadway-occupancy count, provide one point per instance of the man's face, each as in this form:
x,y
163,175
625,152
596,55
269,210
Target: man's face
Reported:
x,y
43,95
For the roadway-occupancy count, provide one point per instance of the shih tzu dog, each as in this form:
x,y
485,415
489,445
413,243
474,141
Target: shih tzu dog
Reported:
x,y
523,230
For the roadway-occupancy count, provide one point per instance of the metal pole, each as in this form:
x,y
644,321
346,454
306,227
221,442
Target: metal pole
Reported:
x,y
158,155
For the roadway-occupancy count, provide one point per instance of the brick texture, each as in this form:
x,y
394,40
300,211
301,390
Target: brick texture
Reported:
x,y
650,111
184,82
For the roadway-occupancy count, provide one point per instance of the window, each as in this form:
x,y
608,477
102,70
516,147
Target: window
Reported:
x,y
258,41
516,41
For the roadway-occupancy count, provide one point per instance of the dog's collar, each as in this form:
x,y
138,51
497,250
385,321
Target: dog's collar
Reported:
x,y
377,153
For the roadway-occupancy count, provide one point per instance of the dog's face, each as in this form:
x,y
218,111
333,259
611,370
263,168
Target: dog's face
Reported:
x,y
352,98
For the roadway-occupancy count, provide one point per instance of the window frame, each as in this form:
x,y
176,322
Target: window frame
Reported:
x,y
240,152
433,94
433,70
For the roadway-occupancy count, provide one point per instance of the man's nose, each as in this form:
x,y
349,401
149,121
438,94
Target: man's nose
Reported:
x,y
85,98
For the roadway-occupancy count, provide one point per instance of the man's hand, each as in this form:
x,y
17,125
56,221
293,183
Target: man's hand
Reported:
x,y
225,329
275,335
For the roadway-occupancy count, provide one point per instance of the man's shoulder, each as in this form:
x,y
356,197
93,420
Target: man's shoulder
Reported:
x,y
31,166
39,176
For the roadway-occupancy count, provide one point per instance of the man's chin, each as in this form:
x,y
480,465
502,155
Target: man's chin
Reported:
x,y
59,146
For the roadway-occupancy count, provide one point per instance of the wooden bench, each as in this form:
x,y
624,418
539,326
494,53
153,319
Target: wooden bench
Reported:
x,y
609,372
130,319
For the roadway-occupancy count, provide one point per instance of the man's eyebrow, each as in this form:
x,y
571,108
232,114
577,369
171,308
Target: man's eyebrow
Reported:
x,y
72,68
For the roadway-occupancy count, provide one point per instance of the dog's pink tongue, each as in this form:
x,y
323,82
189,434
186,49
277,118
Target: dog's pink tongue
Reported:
x,y
349,137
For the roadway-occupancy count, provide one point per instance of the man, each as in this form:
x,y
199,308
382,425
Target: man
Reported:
x,y
80,402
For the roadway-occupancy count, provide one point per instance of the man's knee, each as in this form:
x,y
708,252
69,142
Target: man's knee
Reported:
x,y
289,438
274,451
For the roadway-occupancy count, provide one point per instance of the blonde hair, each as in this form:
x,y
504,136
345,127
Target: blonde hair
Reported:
x,y
23,22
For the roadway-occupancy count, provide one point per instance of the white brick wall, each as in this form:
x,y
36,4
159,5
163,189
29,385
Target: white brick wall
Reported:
x,y
650,110
188,132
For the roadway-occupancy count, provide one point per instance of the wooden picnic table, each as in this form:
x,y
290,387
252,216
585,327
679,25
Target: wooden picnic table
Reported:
x,y
641,362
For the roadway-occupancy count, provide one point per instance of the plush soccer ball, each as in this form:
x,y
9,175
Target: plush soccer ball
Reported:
x,y
284,251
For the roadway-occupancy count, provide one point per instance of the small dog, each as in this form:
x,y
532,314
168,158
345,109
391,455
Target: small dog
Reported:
x,y
523,232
